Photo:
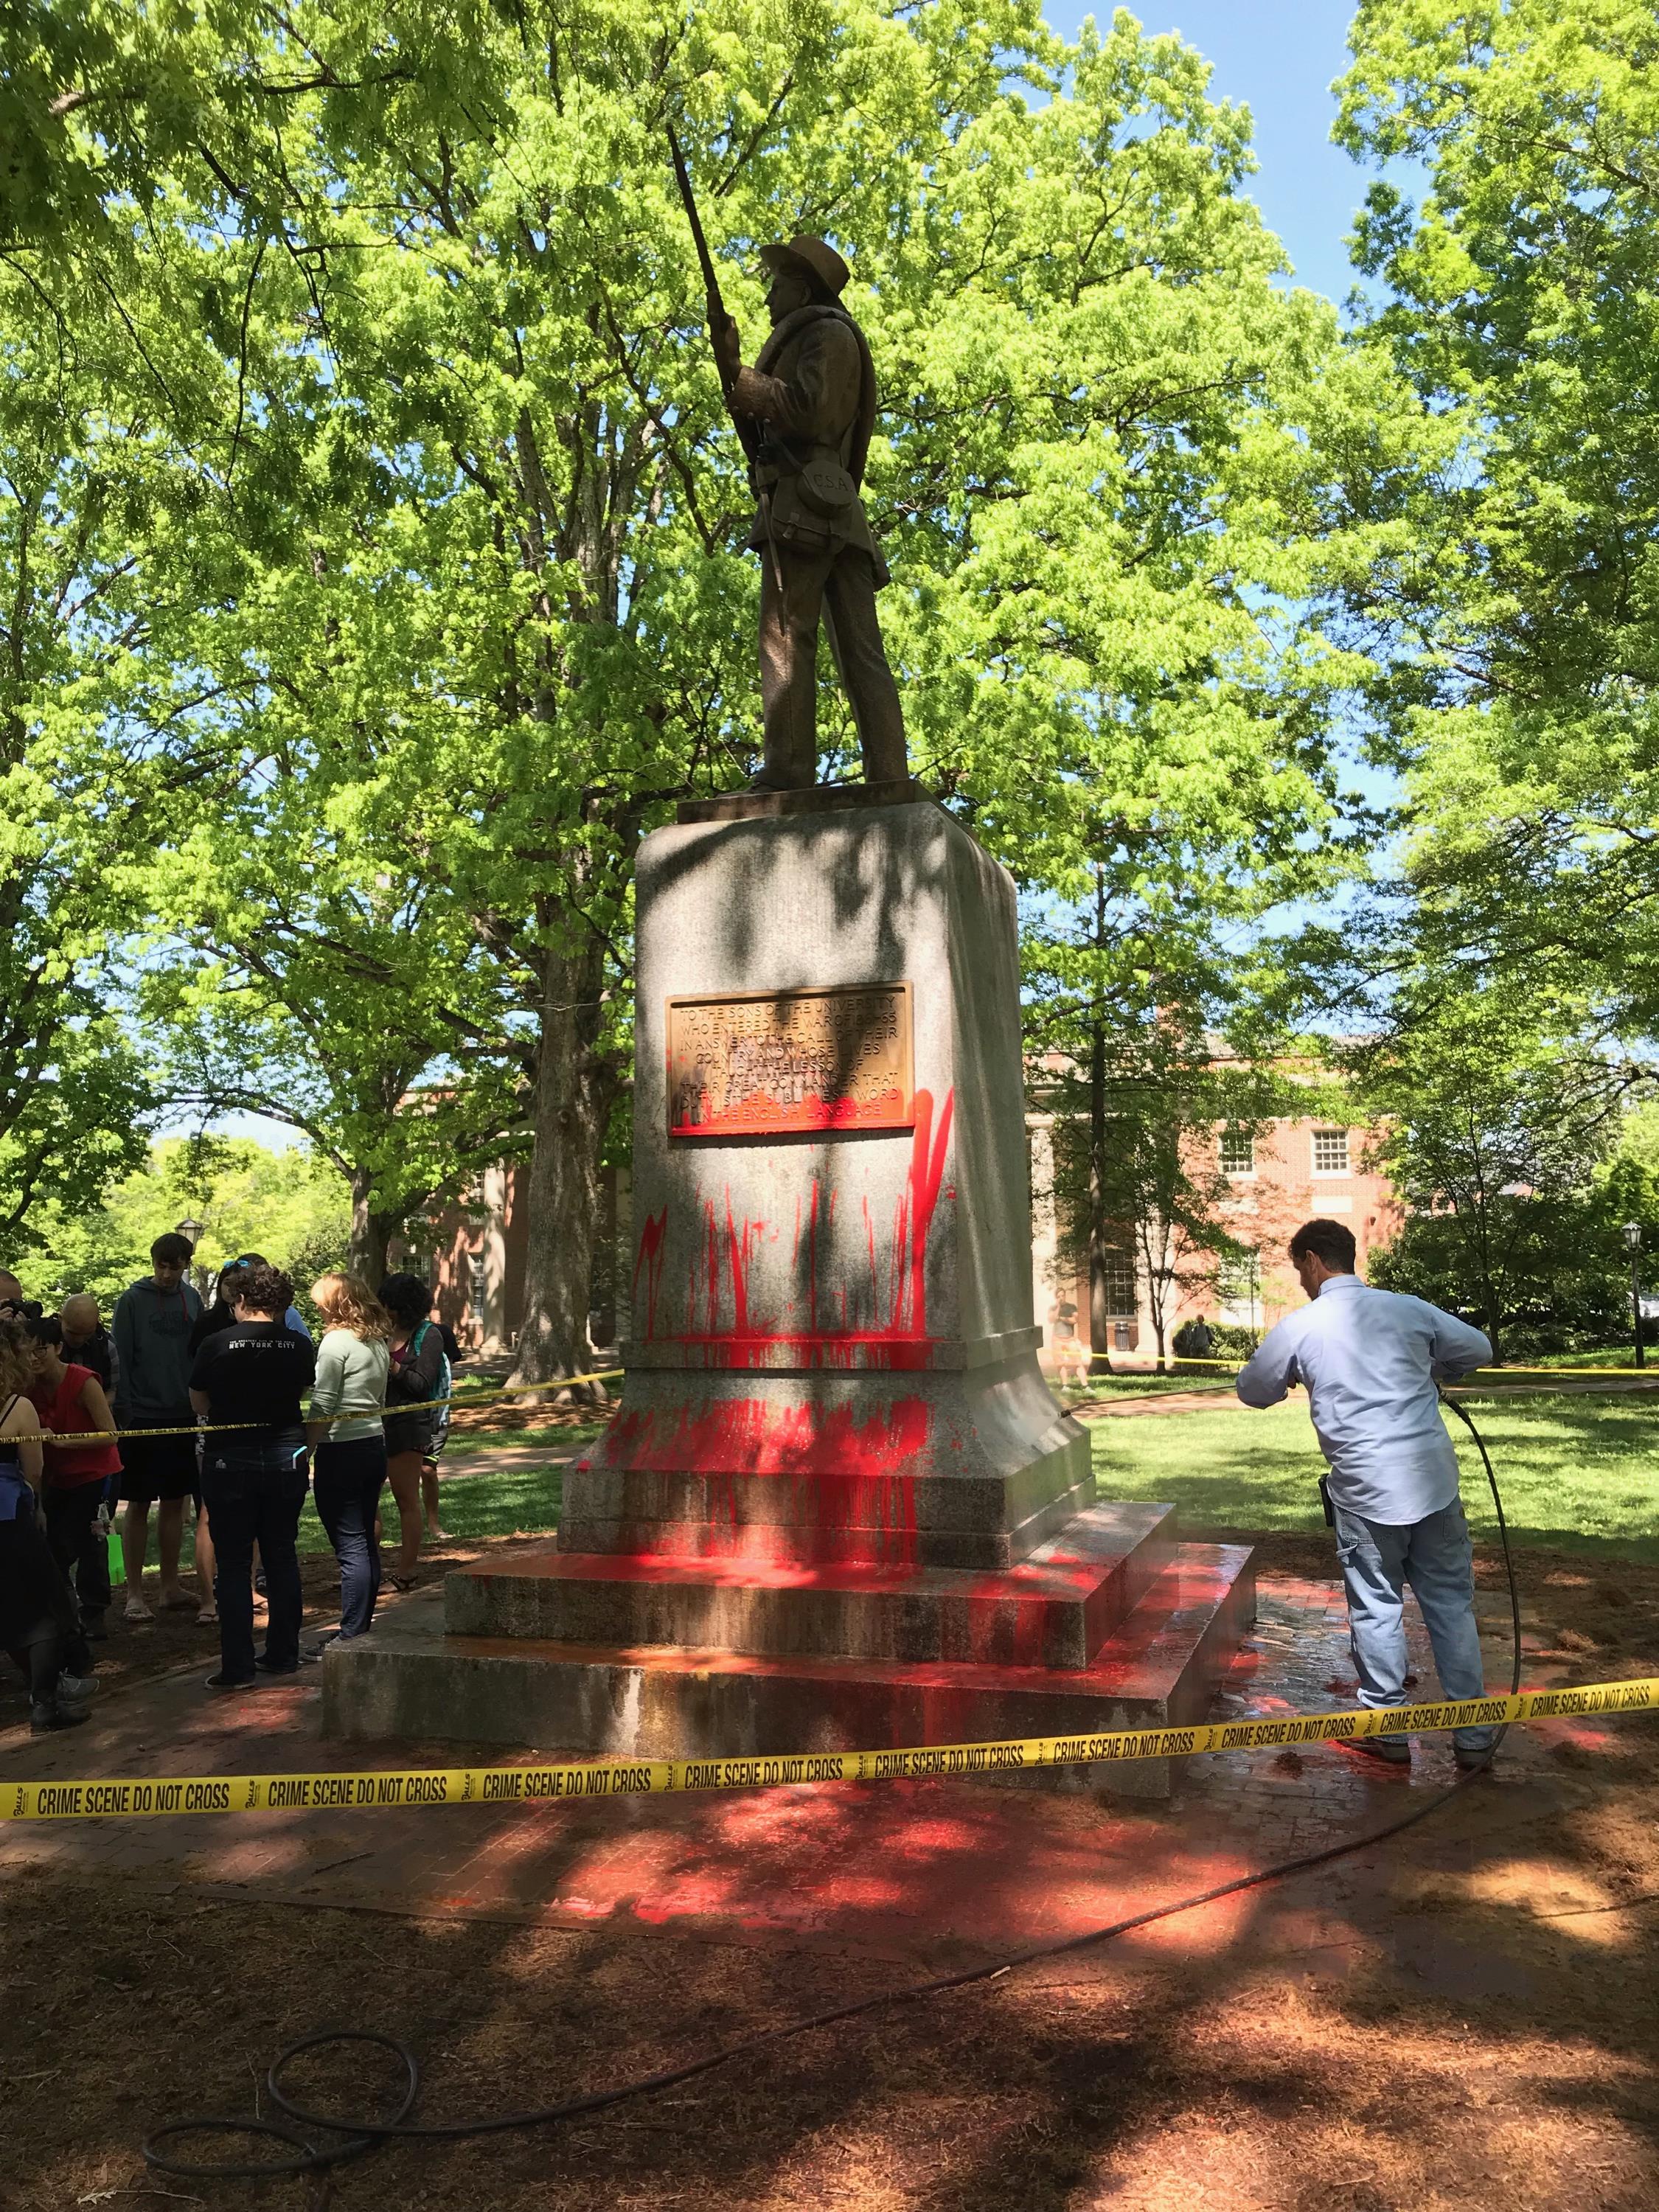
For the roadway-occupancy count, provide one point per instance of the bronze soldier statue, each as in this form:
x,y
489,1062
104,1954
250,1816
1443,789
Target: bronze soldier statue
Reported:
x,y
812,394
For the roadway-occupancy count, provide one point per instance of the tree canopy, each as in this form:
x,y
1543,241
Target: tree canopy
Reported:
x,y
437,603
1522,301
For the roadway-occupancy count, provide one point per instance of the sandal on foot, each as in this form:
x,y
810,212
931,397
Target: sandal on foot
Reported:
x,y
137,1610
207,1618
398,1582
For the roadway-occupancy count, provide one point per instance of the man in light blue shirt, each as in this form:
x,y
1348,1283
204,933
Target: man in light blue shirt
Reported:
x,y
1370,1361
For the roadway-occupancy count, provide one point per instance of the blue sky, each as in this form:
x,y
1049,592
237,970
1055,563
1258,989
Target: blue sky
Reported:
x,y
1281,58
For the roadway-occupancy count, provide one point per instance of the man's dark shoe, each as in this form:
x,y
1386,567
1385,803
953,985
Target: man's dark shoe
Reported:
x,y
94,1629
223,1681
1376,1749
1473,1762
43,1718
269,1667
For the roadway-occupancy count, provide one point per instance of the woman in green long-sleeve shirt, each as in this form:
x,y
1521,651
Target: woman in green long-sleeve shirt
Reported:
x,y
345,1426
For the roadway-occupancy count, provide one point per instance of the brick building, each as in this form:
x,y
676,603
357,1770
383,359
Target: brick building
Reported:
x,y
1295,1169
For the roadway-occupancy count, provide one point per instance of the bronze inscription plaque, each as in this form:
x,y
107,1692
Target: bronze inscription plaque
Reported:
x,y
837,1058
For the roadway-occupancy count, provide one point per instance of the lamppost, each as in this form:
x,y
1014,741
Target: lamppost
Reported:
x,y
194,1231
1633,1246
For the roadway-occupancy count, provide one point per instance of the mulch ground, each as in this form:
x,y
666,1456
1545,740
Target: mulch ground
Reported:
x,y
1390,2076
1471,2028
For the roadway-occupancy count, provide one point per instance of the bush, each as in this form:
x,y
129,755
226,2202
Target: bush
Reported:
x,y
1233,1341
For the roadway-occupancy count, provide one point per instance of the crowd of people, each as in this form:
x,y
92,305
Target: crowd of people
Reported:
x,y
233,1406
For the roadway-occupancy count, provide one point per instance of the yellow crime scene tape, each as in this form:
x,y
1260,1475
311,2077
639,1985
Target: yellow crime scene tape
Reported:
x,y
399,1787
1179,1359
74,1438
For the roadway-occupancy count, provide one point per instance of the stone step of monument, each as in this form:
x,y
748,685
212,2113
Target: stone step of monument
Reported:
x,y
1054,1610
1162,1664
819,1518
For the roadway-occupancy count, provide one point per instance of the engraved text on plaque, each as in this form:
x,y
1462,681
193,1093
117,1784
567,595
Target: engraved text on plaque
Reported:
x,y
836,1059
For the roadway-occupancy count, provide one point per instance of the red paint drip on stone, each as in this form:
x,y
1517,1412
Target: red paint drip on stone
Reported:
x,y
926,1174
747,1341
650,1256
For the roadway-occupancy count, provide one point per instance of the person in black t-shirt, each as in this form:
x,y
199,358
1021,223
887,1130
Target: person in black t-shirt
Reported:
x,y
248,1380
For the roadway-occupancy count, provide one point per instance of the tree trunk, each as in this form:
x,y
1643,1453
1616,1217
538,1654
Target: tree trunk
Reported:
x,y
371,1231
1099,1303
575,1089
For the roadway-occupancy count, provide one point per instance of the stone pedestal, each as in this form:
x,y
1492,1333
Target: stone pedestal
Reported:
x,y
839,1504
832,1355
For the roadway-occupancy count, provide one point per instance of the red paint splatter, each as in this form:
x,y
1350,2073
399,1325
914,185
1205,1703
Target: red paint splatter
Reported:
x,y
926,1173
753,1435
650,1256
853,1498
896,1339
759,1114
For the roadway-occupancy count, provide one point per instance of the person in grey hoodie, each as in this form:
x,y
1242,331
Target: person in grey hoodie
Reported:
x,y
151,1327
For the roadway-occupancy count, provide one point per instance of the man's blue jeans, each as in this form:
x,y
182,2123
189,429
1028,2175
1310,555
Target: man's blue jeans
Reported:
x,y
1379,1558
254,1492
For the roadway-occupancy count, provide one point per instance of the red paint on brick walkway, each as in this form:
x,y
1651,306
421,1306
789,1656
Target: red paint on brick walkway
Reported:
x,y
903,1865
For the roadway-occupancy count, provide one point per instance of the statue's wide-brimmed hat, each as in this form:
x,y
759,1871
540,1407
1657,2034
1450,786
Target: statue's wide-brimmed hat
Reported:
x,y
809,256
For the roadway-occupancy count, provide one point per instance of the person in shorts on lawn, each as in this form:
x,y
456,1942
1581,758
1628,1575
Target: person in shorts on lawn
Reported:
x,y
1072,1360
248,1381
70,1401
151,1327
1370,1361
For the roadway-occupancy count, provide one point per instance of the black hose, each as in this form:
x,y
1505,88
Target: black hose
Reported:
x,y
362,2134
1467,1419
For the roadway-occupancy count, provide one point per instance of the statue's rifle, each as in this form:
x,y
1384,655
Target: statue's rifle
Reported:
x,y
747,428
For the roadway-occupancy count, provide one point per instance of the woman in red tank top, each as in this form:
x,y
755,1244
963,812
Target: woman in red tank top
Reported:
x,y
70,1401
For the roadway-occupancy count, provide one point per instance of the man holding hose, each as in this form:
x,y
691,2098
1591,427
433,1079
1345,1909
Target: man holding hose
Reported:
x,y
1370,1361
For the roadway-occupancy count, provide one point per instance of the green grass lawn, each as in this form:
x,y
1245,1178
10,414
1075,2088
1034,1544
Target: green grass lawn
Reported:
x,y
1576,1476
478,1501
502,1501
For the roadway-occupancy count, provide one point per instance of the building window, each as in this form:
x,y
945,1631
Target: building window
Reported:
x,y
1238,1153
1330,1152
1118,1282
1238,1291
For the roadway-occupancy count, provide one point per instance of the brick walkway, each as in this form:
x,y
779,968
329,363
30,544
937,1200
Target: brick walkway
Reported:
x,y
930,1869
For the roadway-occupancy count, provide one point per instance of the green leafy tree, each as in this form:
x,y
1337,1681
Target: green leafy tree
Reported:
x,y
1492,1127
466,609
79,518
1522,303
288,1204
